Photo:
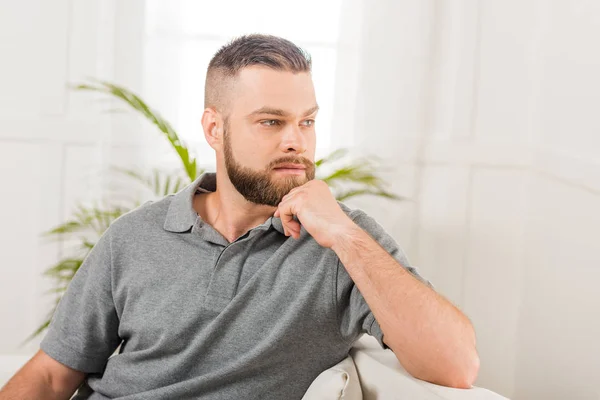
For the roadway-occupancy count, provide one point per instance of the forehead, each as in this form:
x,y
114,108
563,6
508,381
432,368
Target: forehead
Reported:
x,y
257,87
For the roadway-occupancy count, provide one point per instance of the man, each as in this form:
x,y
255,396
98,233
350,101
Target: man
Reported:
x,y
251,281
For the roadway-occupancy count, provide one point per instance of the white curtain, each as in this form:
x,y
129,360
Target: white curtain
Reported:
x,y
382,108
486,112
383,71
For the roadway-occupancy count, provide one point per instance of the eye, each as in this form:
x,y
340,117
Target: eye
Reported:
x,y
309,122
270,122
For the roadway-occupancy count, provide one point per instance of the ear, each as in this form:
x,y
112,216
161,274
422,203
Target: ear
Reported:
x,y
212,125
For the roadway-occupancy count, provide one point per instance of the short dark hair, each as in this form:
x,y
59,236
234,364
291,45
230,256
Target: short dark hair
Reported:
x,y
256,49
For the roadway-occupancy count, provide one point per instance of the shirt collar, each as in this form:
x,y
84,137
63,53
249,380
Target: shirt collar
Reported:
x,y
181,215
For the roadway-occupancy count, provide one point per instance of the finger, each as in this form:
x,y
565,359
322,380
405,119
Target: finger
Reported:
x,y
291,194
296,234
286,213
291,226
289,231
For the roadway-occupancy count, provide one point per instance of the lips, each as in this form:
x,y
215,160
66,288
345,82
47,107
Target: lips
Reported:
x,y
290,166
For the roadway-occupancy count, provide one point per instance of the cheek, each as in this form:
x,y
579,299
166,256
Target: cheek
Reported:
x,y
244,146
253,154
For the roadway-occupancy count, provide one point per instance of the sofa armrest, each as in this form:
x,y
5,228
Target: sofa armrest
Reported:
x,y
382,377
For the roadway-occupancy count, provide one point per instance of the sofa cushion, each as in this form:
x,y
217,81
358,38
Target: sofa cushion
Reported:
x,y
338,382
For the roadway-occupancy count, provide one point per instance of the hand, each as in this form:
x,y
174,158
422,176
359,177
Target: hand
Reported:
x,y
318,212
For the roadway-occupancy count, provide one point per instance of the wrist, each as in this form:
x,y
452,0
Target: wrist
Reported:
x,y
344,238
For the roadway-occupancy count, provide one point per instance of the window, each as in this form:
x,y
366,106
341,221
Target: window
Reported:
x,y
182,36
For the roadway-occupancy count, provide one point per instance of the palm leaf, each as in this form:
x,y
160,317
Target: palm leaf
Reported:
x,y
356,173
58,289
86,219
68,265
355,177
159,182
134,101
345,195
333,156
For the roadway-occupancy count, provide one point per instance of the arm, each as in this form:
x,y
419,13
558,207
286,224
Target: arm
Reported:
x,y
87,312
431,338
42,377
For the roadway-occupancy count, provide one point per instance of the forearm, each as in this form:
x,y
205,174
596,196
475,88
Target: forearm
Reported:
x,y
431,338
29,383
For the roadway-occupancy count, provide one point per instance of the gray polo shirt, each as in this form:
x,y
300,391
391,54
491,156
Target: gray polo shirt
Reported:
x,y
199,317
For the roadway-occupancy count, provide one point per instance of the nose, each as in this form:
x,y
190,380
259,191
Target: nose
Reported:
x,y
293,140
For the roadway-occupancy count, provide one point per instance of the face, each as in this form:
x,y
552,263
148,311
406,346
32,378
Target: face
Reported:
x,y
269,135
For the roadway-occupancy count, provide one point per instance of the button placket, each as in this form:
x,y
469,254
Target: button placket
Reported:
x,y
225,275
226,272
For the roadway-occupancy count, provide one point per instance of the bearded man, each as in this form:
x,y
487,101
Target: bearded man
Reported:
x,y
250,281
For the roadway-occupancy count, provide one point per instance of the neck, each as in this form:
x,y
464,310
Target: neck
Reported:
x,y
228,212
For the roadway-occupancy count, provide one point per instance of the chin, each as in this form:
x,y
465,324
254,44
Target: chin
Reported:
x,y
291,180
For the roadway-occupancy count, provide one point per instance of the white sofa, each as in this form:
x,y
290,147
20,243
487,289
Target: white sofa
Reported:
x,y
370,373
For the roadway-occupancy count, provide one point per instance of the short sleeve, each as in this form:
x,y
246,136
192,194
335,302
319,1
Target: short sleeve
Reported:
x,y
354,315
83,332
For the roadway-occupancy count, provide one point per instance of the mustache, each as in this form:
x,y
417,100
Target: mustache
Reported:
x,y
291,160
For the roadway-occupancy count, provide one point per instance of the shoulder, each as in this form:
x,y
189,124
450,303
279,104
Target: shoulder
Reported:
x,y
375,230
360,217
146,217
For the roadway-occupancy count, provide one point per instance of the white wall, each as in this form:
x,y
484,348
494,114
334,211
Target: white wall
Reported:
x,y
488,111
55,144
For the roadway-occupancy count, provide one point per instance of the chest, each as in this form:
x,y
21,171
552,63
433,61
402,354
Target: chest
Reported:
x,y
192,291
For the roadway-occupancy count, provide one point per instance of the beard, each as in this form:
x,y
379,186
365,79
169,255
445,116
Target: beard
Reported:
x,y
262,187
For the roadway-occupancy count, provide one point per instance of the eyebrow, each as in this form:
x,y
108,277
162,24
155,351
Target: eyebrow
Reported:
x,y
281,113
